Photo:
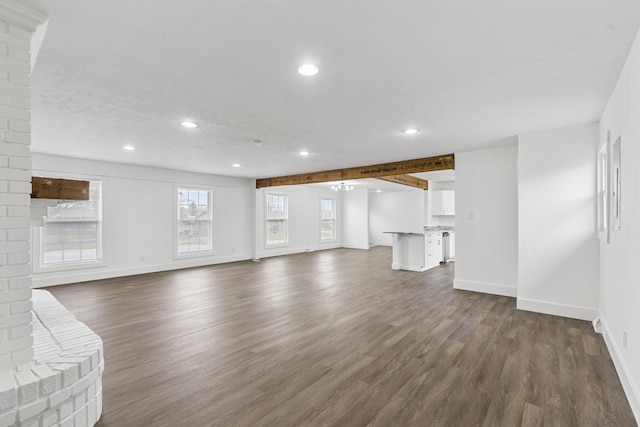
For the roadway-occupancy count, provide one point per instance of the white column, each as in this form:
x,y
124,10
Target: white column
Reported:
x,y
16,28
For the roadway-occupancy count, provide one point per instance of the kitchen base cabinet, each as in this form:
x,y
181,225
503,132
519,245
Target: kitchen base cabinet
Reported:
x,y
452,245
416,251
433,249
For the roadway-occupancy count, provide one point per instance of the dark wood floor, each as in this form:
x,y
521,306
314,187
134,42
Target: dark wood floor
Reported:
x,y
338,338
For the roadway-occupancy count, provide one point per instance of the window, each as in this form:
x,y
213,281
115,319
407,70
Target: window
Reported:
x,y
327,220
193,220
277,217
72,230
616,184
603,197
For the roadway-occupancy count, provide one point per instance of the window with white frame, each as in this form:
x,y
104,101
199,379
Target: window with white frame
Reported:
x,y
616,185
603,194
327,220
72,230
194,220
276,219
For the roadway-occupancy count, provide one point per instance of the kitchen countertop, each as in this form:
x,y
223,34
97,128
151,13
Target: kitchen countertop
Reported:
x,y
427,229
439,228
407,232
417,233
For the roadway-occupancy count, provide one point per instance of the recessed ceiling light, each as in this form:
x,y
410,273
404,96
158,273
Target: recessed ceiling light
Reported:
x,y
236,165
308,70
410,131
189,124
129,147
378,191
304,153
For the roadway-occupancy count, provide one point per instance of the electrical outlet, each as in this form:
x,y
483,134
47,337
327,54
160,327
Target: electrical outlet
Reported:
x,y
142,259
624,338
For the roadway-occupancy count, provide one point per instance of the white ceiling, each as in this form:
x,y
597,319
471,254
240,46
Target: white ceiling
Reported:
x,y
468,73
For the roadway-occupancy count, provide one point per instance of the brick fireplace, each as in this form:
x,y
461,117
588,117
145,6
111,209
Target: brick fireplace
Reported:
x,y
50,364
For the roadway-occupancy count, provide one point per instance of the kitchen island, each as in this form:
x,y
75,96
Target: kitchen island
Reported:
x,y
416,251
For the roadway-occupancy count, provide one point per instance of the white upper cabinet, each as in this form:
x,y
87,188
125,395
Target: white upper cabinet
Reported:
x,y
443,202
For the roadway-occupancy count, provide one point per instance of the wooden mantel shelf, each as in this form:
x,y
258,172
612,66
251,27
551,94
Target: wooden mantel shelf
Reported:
x,y
56,188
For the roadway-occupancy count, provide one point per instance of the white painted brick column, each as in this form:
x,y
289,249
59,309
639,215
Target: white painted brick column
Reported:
x,y
16,331
51,365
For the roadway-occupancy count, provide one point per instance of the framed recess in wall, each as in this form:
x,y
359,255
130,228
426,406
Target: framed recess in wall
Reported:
x,y
616,184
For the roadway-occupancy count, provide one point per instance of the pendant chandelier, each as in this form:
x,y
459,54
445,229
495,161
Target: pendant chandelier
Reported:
x,y
342,187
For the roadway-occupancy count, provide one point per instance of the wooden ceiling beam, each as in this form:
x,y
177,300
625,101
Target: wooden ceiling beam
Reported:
x,y
426,164
409,180
54,188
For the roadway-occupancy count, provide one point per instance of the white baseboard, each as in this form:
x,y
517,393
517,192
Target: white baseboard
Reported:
x,y
355,246
77,276
628,384
267,253
41,280
487,288
375,243
407,267
571,311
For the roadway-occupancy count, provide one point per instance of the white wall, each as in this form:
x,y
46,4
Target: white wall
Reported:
x,y
355,218
304,220
558,247
486,221
138,217
395,211
619,260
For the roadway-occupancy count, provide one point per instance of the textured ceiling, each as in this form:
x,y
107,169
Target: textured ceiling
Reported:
x,y
468,73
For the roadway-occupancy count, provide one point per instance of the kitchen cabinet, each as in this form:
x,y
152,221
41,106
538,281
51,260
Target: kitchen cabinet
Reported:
x,y
416,251
432,250
452,245
443,202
